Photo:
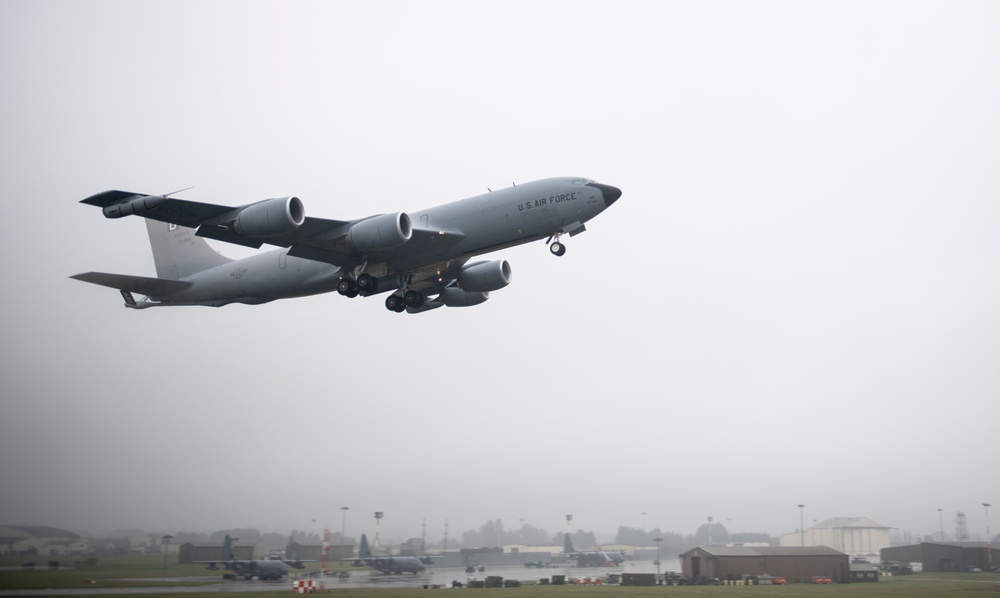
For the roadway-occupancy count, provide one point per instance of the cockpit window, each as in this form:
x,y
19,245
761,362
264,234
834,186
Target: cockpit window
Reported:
x,y
582,182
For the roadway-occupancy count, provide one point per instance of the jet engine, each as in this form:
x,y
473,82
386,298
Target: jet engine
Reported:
x,y
270,218
456,297
483,277
381,233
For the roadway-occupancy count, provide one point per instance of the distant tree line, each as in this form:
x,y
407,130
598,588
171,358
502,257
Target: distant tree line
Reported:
x,y
493,533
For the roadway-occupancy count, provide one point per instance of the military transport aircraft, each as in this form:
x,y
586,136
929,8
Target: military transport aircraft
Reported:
x,y
248,569
389,564
596,558
422,258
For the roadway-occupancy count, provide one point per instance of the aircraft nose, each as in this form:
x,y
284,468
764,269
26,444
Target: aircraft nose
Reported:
x,y
611,194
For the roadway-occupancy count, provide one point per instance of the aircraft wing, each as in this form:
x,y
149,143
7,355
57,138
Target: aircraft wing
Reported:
x,y
152,287
317,239
175,211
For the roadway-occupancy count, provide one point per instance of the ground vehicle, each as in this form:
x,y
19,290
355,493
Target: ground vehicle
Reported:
x,y
821,579
778,581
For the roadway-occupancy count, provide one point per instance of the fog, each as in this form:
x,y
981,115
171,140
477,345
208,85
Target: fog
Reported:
x,y
794,301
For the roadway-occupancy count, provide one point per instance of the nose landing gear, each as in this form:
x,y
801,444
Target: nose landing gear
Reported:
x,y
556,247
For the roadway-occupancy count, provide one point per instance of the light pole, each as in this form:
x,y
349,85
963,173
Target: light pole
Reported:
x,y
802,526
658,541
709,530
343,528
989,539
941,524
166,544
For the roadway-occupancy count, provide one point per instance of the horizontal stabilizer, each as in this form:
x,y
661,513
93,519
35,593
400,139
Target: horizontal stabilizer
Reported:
x,y
151,287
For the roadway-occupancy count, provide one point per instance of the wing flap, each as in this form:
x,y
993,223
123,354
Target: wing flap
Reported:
x,y
323,234
151,287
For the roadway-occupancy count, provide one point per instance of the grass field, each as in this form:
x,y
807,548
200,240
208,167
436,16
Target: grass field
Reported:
x,y
120,572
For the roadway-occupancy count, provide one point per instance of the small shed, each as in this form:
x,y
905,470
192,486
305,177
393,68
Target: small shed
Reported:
x,y
798,564
864,572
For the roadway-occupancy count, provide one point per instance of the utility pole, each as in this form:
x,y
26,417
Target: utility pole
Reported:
x,y
658,541
166,548
802,526
989,538
343,528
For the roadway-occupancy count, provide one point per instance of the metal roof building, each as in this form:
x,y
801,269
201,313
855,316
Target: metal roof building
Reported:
x,y
944,556
853,535
41,539
796,564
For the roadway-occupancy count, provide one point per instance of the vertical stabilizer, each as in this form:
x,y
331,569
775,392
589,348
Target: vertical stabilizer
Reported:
x,y
178,253
363,551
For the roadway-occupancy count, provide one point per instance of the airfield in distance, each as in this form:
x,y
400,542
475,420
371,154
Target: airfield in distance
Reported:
x,y
433,576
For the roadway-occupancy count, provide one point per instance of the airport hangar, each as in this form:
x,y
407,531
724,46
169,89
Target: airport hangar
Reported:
x,y
944,556
797,564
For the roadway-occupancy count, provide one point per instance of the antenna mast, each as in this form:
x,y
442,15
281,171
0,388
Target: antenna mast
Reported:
x,y
961,529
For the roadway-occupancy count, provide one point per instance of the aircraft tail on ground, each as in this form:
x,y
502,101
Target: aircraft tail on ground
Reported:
x,y
363,551
178,252
567,544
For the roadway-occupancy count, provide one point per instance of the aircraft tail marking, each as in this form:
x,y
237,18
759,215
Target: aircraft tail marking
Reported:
x,y
178,252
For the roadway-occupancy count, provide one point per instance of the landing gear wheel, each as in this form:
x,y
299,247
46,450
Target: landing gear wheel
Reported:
x,y
346,286
395,303
557,248
367,283
413,298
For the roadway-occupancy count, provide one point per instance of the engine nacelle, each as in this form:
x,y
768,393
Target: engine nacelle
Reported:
x,y
456,297
485,276
381,233
271,217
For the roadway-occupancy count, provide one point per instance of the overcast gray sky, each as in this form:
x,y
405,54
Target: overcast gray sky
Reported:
x,y
794,301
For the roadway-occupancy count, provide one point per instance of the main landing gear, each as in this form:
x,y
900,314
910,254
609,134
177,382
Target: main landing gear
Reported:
x,y
398,303
365,283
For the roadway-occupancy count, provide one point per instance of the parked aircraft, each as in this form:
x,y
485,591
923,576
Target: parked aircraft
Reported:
x,y
389,564
421,258
248,569
597,558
